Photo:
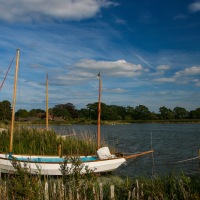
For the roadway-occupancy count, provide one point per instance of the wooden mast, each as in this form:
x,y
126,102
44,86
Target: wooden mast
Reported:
x,y
99,113
47,109
14,101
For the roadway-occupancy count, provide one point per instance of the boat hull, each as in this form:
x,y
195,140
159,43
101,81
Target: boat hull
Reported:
x,y
54,168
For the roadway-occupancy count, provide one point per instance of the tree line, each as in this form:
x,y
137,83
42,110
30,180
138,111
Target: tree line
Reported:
x,y
68,111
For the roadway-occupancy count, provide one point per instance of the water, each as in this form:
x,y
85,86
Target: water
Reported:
x,y
171,143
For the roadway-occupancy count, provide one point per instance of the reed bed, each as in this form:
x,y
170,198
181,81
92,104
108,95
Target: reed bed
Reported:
x,y
42,142
89,186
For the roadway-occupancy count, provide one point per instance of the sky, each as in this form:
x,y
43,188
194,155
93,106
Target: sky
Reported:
x,y
148,52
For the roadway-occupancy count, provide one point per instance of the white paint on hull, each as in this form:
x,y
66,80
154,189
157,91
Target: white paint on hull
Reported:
x,y
98,166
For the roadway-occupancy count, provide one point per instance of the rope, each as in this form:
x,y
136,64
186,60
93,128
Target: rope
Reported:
x,y
180,161
6,74
153,163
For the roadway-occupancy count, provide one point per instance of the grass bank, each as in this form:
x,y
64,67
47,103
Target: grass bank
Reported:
x,y
42,142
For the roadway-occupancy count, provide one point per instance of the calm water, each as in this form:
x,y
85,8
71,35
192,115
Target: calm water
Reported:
x,y
171,143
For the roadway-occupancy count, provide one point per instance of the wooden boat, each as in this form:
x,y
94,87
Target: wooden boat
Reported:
x,y
104,161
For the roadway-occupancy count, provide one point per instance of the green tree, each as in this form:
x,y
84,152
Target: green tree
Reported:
x,y
21,113
195,114
166,113
61,110
130,112
142,112
71,109
37,113
180,113
5,110
93,110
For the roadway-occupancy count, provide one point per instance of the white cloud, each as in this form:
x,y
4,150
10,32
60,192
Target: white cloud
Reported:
x,y
163,67
118,90
37,10
195,70
114,68
165,80
194,7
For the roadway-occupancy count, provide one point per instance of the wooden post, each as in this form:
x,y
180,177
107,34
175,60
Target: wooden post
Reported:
x,y
70,194
137,190
100,191
112,192
59,150
77,194
46,191
94,192
133,193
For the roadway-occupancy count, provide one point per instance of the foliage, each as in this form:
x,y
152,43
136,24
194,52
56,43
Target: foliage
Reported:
x,y
69,112
37,113
180,113
5,110
42,142
74,179
21,113
166,113
22,185
75,185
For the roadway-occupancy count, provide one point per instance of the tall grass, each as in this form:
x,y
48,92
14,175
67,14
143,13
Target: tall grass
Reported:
x,y
88,186
42,142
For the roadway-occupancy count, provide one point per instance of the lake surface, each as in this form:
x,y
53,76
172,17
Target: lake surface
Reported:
x,y
172,143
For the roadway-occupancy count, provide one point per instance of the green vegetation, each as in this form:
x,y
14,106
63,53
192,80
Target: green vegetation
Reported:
x,y
89,186
65,113
42,142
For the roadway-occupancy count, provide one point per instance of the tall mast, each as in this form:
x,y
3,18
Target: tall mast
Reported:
x,y
99,114
14,100
47,109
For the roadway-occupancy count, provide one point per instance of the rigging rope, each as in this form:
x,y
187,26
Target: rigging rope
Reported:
x,y
6,74
180,161
153,162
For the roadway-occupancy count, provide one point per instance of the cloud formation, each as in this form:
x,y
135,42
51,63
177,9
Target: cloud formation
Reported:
x,y
114,68
183,76
39,10
194,7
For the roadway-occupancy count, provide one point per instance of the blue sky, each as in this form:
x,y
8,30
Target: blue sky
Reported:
x,y
148,52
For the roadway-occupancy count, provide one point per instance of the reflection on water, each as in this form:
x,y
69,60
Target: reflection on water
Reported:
x,y
171,143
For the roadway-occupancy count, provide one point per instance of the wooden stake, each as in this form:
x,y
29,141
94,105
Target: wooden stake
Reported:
x,y
59,150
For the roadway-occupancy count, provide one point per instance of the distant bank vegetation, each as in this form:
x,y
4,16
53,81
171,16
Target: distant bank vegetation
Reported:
x,y
68,112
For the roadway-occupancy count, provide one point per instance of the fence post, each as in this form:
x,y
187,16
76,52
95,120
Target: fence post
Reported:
x,y
94,192
70,194
129,195
133,193
137,190
112,192
46,191
77,194
101,191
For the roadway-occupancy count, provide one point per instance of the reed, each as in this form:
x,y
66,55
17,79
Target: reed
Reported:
x,y
75,185
42,142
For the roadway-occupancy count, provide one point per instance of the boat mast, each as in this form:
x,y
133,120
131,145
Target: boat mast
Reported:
x,y
99,113
47,109
14,100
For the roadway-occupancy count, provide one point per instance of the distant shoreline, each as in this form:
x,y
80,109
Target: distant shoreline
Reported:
x,y
106,122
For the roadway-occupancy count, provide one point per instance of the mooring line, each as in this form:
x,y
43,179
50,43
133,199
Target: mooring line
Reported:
x,y
180,161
